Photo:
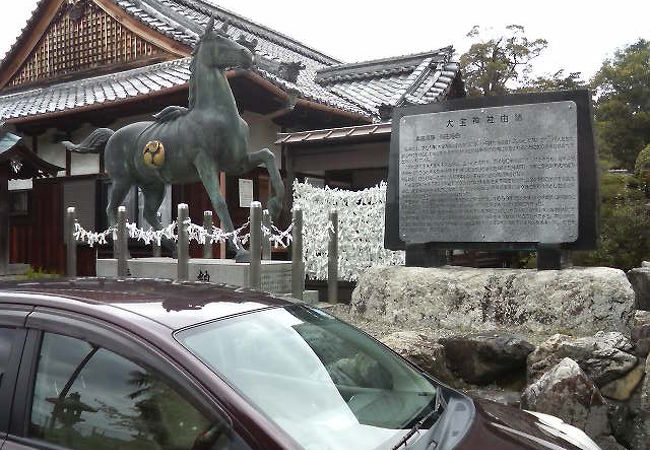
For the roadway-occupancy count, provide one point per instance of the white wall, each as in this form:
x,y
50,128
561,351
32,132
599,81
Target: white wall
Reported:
x,y
263,133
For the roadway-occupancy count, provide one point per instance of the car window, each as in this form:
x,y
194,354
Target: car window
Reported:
x,y
7,336
86,397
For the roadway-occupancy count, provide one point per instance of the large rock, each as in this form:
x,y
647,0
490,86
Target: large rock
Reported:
x,y
630,422
641,333
423,351
566,392
583,300
604,357
484,358
640,280
645,392
622,389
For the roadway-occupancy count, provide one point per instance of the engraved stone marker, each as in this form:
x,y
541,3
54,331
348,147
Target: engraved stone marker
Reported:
x,y
495,174
516,172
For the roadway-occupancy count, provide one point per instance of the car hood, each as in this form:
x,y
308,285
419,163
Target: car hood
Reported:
x,y
502,427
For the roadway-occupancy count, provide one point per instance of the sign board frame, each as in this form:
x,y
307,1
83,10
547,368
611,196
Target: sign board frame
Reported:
x,y
588,170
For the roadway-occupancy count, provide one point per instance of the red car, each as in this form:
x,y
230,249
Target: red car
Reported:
x,y
137,364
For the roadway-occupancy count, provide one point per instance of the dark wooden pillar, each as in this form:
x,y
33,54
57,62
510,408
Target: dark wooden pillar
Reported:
x,y
4,222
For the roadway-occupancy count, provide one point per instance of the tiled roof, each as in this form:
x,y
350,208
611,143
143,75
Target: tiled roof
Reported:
x,y
360,88
91,91
344,134
411,79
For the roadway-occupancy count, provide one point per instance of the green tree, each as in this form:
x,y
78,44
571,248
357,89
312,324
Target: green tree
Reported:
x,y
624,225
622,88
491,65
555,82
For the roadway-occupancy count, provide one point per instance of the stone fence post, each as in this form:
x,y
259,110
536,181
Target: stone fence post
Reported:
x,y
207,224
71,244
297,265
266,240
333,258
183,244
255,249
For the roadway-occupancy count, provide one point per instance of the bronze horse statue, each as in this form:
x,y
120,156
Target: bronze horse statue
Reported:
x,y
184,145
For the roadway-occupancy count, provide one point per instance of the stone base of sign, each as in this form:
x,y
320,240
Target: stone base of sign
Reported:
x,y
576,301
14,270
276,275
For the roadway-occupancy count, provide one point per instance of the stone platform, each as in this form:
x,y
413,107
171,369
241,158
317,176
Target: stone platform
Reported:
x,y
276,275
14,270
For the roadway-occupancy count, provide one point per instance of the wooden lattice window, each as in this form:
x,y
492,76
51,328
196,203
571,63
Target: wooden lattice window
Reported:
x,y
82,36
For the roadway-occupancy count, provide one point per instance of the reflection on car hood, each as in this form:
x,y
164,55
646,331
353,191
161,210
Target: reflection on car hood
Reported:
x,y
503,427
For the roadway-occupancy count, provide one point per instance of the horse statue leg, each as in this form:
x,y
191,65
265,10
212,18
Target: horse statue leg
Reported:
x,y
153,198
209,175
267,158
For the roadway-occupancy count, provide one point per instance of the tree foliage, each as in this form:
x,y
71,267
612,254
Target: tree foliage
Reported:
x,y
490,65
624,225
555,82
622,86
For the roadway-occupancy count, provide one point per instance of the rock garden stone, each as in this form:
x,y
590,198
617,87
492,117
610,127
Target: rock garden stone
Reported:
x,y
641,340
583,300
609,443
604,357
423,351
622,388
484,358
630,423
565,391
640,280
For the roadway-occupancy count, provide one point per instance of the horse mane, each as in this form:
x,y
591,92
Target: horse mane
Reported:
x,y
192,98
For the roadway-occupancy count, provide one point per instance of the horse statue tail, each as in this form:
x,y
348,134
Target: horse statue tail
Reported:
x,y
94,143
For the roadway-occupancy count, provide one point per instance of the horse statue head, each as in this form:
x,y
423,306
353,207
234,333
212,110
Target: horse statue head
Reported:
x,y
217,50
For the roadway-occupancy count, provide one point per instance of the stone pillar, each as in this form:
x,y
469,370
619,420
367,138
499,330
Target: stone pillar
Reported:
x,y
207,224
4,224
266,240
297,265
122,243
255,249
157,251
333,259
71,243
183,245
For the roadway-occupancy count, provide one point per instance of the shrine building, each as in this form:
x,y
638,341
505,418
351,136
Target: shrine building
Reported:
x,y
83,64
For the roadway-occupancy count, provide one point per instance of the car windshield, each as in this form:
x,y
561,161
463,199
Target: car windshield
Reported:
x,y
325,383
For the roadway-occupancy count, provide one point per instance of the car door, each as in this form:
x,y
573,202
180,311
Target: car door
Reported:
x,y
12,338
82,386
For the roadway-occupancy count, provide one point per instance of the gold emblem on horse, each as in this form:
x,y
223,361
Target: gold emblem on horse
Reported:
x,y
154,154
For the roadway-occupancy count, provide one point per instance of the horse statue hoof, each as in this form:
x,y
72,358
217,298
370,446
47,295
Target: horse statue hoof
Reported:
x,y
242,256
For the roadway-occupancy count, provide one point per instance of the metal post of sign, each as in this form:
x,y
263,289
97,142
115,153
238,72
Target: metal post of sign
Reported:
x,y
183,244
297,265
266,239
157,252
255,268
207,224
333,259
71,244
122,243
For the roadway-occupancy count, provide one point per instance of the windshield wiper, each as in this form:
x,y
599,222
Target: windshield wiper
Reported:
x,y
434,413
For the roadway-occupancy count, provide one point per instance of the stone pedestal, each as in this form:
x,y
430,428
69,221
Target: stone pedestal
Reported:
x,y
276,275
14,270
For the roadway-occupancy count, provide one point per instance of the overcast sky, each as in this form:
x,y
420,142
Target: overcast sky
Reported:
x,y
580,33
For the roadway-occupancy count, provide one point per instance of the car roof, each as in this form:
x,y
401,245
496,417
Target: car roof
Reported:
x,y
174,305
